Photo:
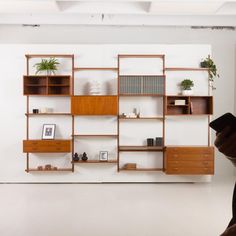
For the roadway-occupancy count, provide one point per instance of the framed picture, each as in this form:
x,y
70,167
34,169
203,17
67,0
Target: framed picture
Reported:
x,y
103,156
48,131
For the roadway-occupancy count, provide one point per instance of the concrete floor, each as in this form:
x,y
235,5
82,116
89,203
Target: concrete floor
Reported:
x,y
115,209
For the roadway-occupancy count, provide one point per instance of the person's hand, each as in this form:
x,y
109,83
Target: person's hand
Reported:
x,y
226,142
231,231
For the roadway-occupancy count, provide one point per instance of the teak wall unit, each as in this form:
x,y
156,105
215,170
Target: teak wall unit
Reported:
x,y
138,85
46,85
177,160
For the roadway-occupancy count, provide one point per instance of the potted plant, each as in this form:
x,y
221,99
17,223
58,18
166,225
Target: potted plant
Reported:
x,y
187,85
49,66
209,63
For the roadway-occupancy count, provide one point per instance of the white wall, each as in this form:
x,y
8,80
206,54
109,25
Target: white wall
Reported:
x,y
222,42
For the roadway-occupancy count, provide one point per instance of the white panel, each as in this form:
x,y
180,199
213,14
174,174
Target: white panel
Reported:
x,y
13,123
141,66
186,130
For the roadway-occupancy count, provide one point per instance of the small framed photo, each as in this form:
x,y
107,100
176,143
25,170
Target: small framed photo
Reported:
x,y
103,156
48,131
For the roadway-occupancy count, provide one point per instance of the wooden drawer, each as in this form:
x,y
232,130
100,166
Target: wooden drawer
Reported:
x,y
45,146
190,164
189,160
94,105
189,153
190,171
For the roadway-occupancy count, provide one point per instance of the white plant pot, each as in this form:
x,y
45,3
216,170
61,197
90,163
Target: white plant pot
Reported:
x,y
187,92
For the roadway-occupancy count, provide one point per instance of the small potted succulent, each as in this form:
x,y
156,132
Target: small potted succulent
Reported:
x,y
186,86
49,66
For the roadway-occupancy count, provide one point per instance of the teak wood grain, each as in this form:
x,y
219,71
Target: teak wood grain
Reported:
x,y
189,160
94,105
46,146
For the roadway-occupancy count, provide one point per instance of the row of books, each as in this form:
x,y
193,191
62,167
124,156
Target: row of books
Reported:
x,y
141,84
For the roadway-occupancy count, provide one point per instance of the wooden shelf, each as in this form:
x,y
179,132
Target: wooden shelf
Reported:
x,y
48,114
95,68
185,69
140,149
141,118
96,135
141,95
142,169
58,169
95,162
141,56
49,55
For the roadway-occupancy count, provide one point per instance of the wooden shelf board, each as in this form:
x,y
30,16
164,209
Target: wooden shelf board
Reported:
x,y
95,162
49,95
171,105
58,85
59,169
49,55
185,69
95,68
127,75
36,85
48,114
141,148
137,95
141,56
141,118
142,169
96,135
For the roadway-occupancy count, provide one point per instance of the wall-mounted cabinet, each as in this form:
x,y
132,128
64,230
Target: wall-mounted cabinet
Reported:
x,y
47,85
94,105
189,105
189,160
46,146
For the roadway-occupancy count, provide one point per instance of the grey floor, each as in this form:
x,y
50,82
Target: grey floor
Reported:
x,y
115,209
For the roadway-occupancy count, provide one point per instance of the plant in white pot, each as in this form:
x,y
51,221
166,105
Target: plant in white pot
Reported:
x,y
48,66
186,86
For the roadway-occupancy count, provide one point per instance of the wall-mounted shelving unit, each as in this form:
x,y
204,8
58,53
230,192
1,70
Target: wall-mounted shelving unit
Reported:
x,y
176,160
46,85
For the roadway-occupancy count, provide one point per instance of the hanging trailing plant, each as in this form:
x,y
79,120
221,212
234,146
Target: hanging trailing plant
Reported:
x,y
50,66
209,63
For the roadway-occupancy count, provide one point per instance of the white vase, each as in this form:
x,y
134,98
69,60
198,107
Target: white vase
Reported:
x,y
187,92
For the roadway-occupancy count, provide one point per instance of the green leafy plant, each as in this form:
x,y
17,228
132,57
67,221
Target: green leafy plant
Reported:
x,y
209,63
50,66
187,84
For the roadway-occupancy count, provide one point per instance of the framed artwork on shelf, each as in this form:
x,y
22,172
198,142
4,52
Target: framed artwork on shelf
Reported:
x,y
48,131
103,156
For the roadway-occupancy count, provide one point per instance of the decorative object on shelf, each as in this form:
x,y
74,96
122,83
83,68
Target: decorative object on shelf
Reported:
x,y
46,110
132,115
179,102
130,166
136,111
84,157
159,141
123,115
103,156
150,142
94,88
187,85
76,157
40,167
35,111
209,63
49,66
48,131
48,167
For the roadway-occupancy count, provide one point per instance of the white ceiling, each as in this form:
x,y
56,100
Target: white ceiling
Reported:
x,y
119,12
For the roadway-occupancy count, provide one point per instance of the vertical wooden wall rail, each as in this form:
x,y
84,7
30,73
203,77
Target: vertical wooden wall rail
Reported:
x,y
118,120
163,115
73,118
27,117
